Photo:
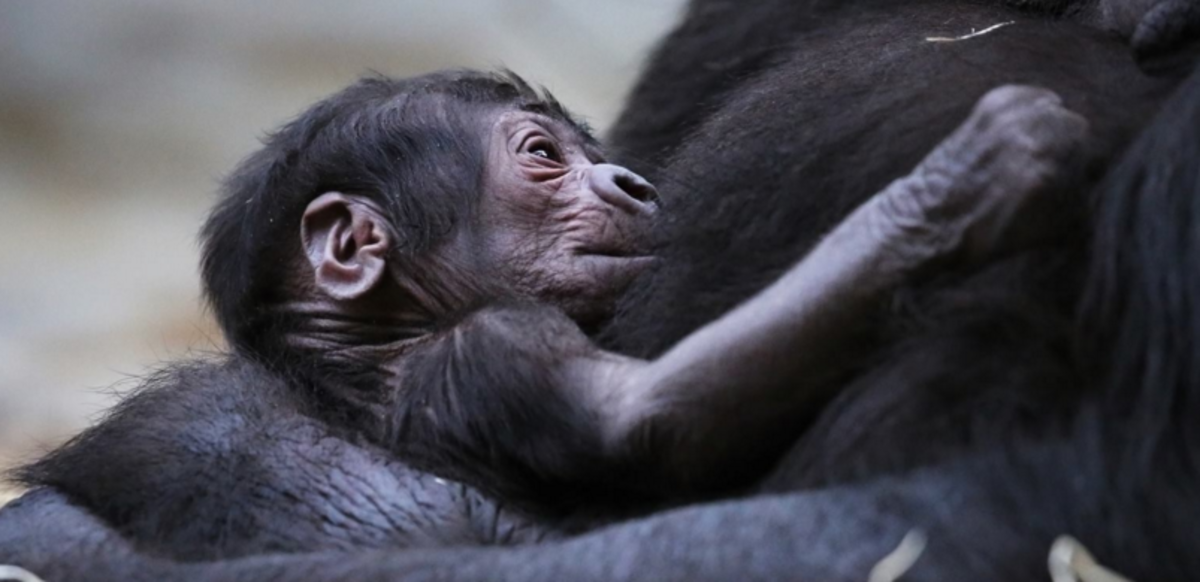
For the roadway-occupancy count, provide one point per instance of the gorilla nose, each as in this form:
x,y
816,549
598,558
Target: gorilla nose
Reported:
x,y
624,189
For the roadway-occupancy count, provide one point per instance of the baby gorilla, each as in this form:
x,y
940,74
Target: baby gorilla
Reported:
x,y
420,255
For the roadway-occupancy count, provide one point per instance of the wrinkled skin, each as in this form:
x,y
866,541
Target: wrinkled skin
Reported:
x,y
562,225
1016,144
555,224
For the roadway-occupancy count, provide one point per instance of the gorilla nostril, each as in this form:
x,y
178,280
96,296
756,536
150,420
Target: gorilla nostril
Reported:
x,y
637,188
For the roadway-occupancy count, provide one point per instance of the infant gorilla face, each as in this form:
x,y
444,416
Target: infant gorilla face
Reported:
x,y
559,223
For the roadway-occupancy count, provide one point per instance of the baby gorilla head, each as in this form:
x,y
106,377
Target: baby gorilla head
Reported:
x,y
385,210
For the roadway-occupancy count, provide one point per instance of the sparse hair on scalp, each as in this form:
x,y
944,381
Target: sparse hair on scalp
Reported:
x,y
412,146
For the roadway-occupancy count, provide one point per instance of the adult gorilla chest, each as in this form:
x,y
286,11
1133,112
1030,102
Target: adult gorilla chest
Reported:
x,y
842,110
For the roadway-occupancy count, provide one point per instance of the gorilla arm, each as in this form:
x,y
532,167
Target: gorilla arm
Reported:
x,y
831,535
731,387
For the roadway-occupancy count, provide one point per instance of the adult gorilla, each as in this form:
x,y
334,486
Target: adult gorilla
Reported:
x,y
774,117
1112,462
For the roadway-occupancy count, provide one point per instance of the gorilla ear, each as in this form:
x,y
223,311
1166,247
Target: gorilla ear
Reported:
x,y
346,241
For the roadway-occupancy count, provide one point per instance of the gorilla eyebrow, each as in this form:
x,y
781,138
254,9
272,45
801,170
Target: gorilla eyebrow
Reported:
x,y
553,110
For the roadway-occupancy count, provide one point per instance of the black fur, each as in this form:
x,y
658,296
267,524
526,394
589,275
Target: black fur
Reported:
x,y
218,459
487,407
991,412
782,160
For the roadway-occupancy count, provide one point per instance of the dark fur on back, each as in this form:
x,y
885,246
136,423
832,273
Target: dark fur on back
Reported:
x,y
721,45
780,160
1057,382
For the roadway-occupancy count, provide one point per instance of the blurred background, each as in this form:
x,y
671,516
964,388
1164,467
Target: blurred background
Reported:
x,y
118,118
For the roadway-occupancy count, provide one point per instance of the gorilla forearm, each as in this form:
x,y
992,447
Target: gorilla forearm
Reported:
x,y
829,536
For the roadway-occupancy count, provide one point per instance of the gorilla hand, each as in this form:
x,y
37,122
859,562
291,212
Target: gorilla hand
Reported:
x,y
1164,27
970,197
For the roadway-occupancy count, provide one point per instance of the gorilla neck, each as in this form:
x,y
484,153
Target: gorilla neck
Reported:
x,y
334,329
380,326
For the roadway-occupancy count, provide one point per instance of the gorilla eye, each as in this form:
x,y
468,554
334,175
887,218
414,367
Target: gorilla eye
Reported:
x,y
545,149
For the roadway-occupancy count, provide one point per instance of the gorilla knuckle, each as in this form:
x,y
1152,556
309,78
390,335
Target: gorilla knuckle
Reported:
x,y
1012,99
1040,138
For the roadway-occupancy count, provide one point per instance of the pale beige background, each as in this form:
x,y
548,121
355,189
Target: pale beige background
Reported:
x,y
117,118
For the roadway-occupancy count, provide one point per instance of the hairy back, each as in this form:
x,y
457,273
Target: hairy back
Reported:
x,y
956,358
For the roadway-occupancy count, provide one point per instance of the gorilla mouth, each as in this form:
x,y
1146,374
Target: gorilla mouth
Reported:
x,y
615,253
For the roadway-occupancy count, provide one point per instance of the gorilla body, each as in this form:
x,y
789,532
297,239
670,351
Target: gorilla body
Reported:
x,y
1012,320
1035,427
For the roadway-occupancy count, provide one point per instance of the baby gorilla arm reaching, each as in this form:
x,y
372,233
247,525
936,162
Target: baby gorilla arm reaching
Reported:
x,y
519,400
730,387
